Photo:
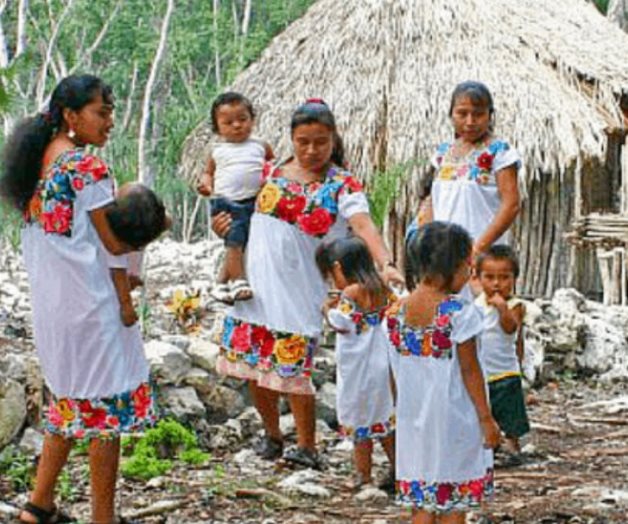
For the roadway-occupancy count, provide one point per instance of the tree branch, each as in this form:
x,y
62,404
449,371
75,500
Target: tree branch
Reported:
x,y
143,174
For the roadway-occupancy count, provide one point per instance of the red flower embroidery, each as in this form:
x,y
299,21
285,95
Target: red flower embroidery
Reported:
x,y
442,320
92,417
59,220
91,164
485,161
267,170
289,209
444,493
141,401
263,338
295,188
78,183
477,489
378,429
241,337
403,486
357,317
395,338
316,223
351,184
440,340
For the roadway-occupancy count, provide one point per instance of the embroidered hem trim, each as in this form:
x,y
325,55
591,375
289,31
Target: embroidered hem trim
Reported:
x,y
378,430
268,379
444,497
128,412
264,349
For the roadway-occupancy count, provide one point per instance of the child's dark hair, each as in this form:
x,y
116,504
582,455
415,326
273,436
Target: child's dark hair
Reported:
x,y
438,249
476,91
138,217
230,97
499,252
23,152
316,111
354,259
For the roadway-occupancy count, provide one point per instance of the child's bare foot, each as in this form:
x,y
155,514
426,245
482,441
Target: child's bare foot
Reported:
x,y
241,290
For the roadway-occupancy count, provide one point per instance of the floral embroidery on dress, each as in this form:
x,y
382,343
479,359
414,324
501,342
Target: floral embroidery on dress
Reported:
x,y
429,341
106,417
477,165
363,320
287,354
378,430
313,207
52,204
445,496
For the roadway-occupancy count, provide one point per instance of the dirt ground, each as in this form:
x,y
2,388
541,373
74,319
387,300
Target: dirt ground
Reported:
x,y
575,471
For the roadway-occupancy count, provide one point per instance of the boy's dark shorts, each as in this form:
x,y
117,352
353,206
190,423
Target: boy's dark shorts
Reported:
x,y
508,406
241,212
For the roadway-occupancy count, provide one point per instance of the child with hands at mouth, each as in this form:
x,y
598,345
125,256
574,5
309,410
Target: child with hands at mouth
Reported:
x,y
502,343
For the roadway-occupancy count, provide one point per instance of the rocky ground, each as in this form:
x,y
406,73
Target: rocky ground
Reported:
x,y
576,461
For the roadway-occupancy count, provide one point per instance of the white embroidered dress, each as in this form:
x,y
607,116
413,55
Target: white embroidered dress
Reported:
x,y
465,191
272,338
364,398
441,463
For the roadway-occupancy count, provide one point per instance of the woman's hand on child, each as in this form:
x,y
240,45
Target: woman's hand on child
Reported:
x,y
128,315
492,433
392,276
221,223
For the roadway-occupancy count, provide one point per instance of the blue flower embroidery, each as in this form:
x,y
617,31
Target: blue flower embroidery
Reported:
x,y
413,345
498,146
450,306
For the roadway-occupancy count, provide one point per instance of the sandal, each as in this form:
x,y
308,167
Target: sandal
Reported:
x,y
303,457
43,516
222,293
241,290
270,448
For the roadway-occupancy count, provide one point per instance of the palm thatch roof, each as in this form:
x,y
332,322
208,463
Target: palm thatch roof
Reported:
x,y
387,68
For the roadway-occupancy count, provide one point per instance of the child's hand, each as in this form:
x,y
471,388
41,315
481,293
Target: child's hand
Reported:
x,y
496,300
492,433
128,314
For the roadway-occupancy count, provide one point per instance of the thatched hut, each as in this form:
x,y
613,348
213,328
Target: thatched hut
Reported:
x,y
559,74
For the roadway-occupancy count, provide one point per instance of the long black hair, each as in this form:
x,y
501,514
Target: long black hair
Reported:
x,y
24,151
138,217
356,263
316,111
437,250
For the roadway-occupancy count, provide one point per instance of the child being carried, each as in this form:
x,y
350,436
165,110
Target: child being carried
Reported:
x,y
232,178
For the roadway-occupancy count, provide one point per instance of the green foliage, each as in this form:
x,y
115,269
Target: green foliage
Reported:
x,y
384,189
602,5
152,454
17,467
204,52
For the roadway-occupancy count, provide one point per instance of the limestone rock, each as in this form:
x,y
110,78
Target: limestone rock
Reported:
x,y
223,403
182,403
304,482
167,361
203,354
12,409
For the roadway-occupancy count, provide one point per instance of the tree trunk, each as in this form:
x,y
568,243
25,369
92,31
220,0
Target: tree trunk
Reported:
x,y
144,175
22,12
217,67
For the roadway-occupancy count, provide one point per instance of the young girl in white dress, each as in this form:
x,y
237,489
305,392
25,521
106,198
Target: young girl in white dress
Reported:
x,y
444,423
364,400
